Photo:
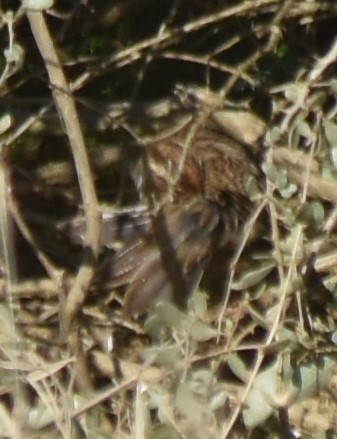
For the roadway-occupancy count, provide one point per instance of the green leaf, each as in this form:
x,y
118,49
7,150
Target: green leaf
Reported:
x,y
314,376
5,123
162,355
330,132
253,276
37,5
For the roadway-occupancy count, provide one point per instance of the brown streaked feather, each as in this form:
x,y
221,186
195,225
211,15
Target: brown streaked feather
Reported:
x,y
124,225
191,236
195,181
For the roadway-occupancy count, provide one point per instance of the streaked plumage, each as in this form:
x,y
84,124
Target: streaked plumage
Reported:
x,y
194,181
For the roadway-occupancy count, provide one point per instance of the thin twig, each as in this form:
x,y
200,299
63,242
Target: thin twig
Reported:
x,y
135,52
54,273
205,60
277,319
313,77
67,111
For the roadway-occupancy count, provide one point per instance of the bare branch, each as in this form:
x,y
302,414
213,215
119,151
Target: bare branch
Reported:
x,y
67,111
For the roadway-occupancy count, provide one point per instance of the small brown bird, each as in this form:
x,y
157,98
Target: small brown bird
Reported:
x,y
195,182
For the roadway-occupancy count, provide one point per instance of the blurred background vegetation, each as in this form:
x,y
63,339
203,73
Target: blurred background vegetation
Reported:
x,y
209,371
